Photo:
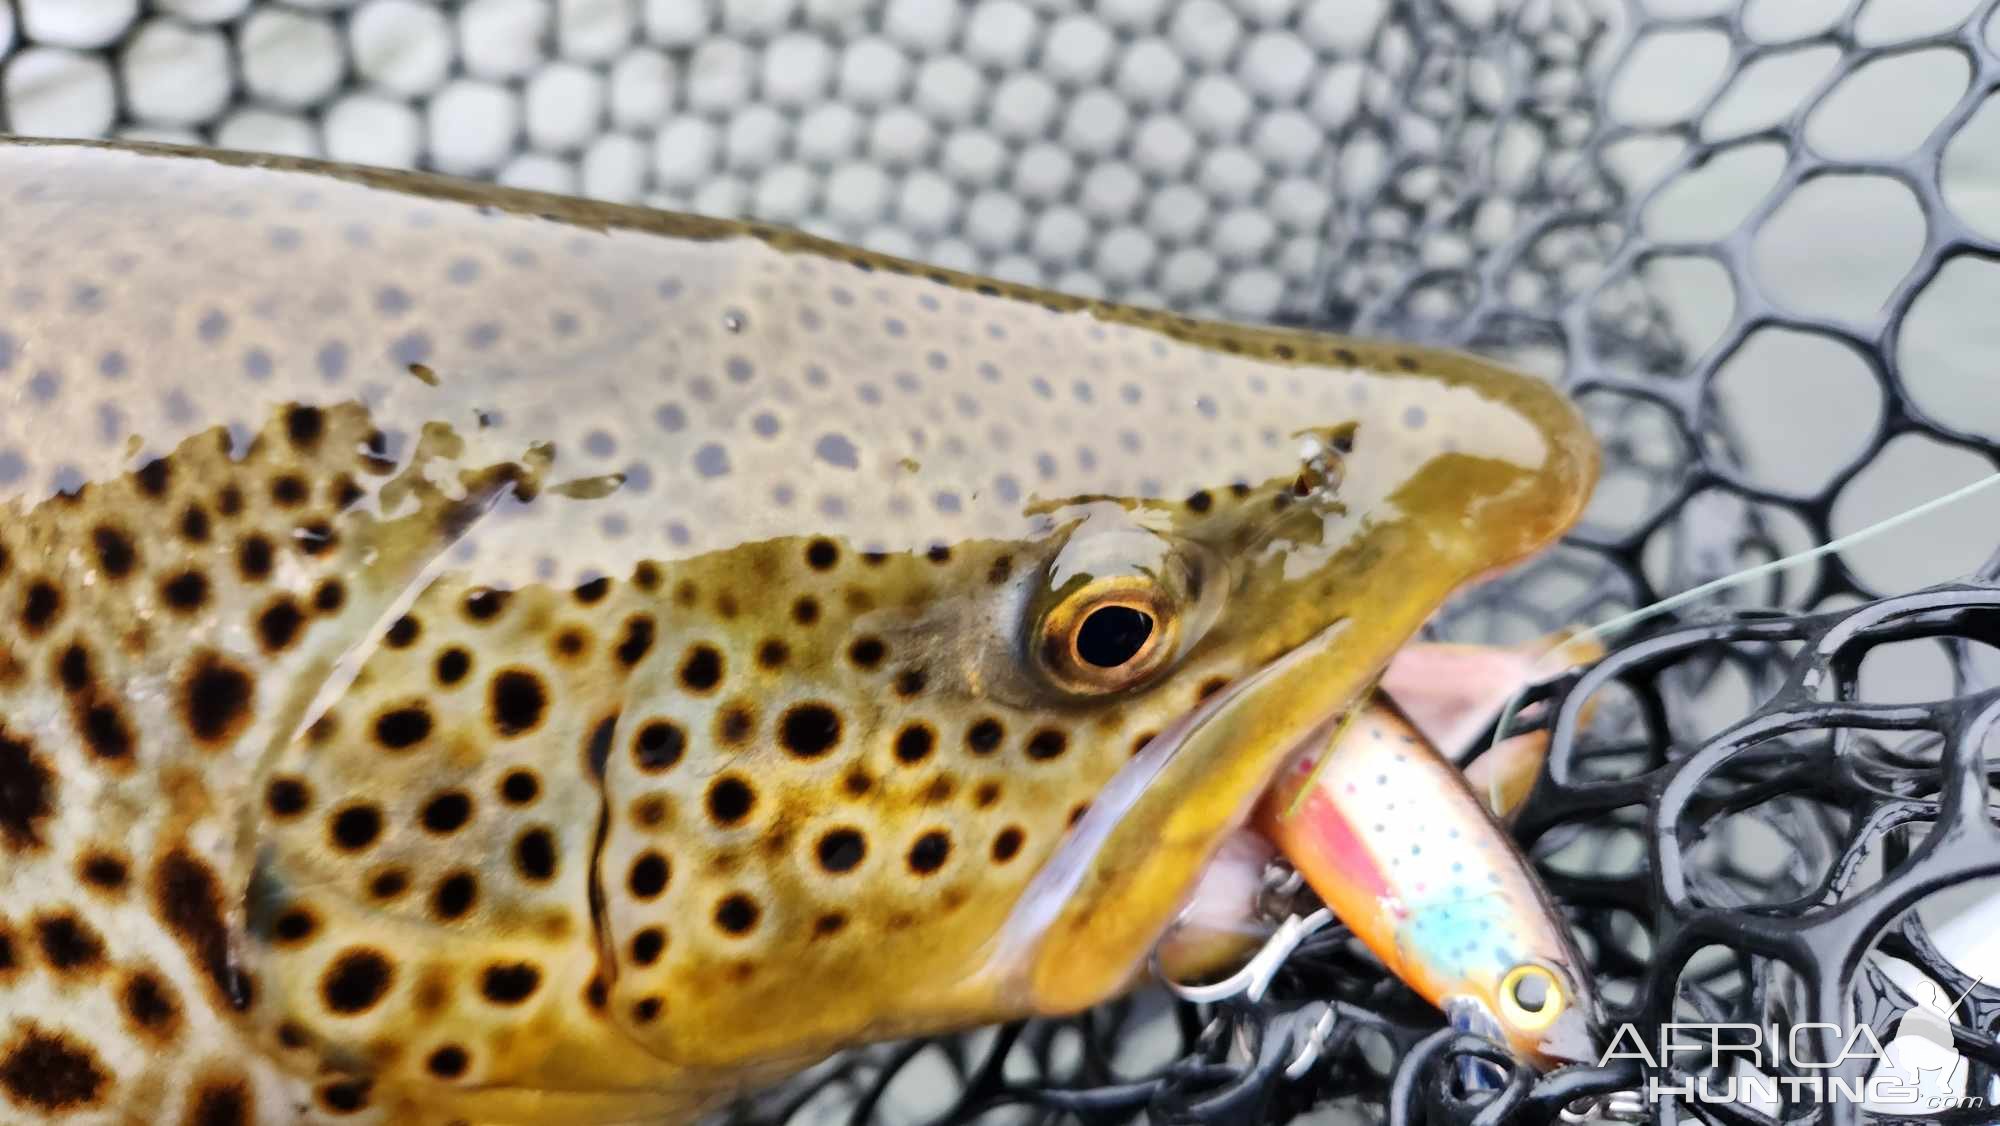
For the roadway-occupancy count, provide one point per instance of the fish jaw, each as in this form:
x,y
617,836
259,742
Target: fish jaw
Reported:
x,y
1082,931
1223,922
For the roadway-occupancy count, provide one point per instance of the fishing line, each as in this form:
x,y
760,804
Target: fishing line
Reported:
x,y
1603,630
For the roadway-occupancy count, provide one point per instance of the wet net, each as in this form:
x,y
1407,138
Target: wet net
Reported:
x,y
1758,240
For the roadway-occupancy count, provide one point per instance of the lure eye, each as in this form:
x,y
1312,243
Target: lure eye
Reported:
x,y
1531,998
1110,635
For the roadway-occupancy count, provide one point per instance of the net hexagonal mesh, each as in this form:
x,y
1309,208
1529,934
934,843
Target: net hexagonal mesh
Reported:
x,y
1759,241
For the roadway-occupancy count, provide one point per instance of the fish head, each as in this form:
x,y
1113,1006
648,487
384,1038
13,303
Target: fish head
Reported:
x,y
706,647
1019,751
1444,469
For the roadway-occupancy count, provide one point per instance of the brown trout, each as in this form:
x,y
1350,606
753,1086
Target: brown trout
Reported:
x,y
471,655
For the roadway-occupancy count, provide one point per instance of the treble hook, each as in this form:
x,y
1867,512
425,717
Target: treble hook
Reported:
x,y
1617,1106
1255,977
1315,1040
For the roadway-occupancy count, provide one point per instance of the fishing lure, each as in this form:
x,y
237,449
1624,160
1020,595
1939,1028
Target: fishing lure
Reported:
x,y
1406,853
1413,856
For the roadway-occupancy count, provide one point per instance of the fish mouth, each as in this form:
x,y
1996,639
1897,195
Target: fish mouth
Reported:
x,y
1086,924
1225,908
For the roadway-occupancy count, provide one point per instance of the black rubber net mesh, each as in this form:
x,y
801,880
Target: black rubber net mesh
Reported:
x,y
1758,240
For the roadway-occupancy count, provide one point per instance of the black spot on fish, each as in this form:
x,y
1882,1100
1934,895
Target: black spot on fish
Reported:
x,y
102,871
659,746
115,554
510,984
356,981
402,728
983,737
647,945
518,700
330,596
215,699
737,914
253,558
730,800
648,877
185,592
1007,844
345,1097
287,796
289,491
1047,743
840,850
279,624
535,855
447,812
68,944
519,787
304,425
154,477
810,730
149,1003
637,641
485,604
221,1105
448,1062
701,670
914,743
293,927
40,607
455,895
452,665
187,897
27,794
50,1072
867,652
929,853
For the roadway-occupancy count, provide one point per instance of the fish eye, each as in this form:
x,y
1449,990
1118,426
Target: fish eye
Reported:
x,y
1531,998
1110,635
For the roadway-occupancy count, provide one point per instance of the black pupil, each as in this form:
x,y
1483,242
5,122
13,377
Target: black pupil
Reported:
x,y
1531,992
1112,635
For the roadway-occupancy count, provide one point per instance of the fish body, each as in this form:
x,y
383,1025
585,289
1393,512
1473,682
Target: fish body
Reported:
x,y
478,656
